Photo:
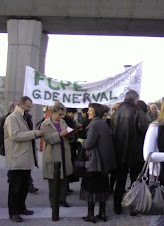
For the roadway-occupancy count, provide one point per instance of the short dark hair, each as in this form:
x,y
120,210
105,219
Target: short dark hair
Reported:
x,y
24,99
84,110
142,105
73,110
106,108
99,109
131,96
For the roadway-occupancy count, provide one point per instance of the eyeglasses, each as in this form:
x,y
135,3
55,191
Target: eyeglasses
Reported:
x,y
61,114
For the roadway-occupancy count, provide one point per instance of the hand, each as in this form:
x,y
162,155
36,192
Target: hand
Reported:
x,y
87,153
38,133
63,133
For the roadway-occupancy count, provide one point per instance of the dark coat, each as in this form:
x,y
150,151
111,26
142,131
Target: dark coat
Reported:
x,y
2,145
127,124
99,143
84,122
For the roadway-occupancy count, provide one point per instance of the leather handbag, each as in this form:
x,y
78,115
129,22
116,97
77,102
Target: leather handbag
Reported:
x,y
144,198
79,164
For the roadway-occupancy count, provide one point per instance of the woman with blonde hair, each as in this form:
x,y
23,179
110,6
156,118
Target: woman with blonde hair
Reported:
x,y
154,142
56,148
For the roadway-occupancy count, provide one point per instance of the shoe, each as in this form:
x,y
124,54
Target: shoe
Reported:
x,y
27,212
117,211
69,190
101,217
64,204
111,190
89,219
133,214
32,189
16,218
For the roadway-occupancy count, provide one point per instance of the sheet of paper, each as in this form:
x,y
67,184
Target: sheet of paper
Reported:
x,y
69,129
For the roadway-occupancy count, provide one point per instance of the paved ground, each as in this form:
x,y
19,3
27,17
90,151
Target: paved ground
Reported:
x,y
68,216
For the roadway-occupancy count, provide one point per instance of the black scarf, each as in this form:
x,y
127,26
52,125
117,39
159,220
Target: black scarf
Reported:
x,y
28,118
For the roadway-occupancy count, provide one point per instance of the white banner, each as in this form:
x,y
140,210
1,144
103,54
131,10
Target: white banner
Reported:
x,y
45,90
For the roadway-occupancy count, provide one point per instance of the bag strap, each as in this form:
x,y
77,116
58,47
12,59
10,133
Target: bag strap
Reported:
x,y
145,168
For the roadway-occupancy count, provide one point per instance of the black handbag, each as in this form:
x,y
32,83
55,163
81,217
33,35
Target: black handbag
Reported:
x,y
79,164
143,198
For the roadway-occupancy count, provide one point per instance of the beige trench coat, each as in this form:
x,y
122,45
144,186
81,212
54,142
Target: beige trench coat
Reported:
x,y
18,142
52,149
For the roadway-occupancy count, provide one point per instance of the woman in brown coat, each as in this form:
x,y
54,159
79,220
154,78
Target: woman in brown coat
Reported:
x,y
56,148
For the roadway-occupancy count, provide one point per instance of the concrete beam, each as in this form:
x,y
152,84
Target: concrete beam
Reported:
x,y
99,26
147,9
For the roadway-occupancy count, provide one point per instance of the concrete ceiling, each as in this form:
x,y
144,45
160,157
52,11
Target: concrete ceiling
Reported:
x,y
100,17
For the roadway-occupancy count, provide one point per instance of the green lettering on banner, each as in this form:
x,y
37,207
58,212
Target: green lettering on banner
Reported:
x,y
38,76
64,84
77,87
51,86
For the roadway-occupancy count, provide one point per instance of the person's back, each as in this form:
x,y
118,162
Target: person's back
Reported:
x,y
123,130
126,123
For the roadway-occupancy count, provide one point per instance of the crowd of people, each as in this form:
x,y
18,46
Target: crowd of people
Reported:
x,y
113,147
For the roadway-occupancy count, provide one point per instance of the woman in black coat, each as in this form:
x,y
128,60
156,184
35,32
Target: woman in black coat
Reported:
x,y
100,161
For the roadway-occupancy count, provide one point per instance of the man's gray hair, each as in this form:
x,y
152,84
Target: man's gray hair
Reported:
x,y
131,96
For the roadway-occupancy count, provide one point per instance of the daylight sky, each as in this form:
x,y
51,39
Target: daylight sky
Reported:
x,y
89,58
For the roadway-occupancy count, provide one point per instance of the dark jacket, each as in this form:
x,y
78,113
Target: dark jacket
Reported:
x,y
2,122
127,124
84,122
99,143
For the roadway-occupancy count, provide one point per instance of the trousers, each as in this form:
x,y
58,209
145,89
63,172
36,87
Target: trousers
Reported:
x,y
19,181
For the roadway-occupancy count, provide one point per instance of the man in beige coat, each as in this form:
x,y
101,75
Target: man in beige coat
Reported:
x,y
20,156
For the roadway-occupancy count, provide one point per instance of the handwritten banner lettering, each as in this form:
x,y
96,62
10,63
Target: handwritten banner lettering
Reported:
x,y
45,90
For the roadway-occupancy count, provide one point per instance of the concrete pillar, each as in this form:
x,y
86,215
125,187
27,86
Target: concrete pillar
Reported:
x,y
24,40
38,109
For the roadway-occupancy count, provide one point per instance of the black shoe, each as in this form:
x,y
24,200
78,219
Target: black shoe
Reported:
x,y
27,212
89,219
32,189
64,204
111,190
16,218
101,217
69,190
133,214
117,211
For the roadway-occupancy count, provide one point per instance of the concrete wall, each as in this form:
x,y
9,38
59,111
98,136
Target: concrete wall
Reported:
x,y
2,89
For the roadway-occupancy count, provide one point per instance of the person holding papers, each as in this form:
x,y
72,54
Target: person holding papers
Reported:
x,y
56,148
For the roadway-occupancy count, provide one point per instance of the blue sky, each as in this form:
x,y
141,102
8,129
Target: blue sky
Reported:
x,y
89,58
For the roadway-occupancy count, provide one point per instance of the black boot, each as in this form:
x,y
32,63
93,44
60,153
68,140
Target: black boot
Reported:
x,y
90,217
101,215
